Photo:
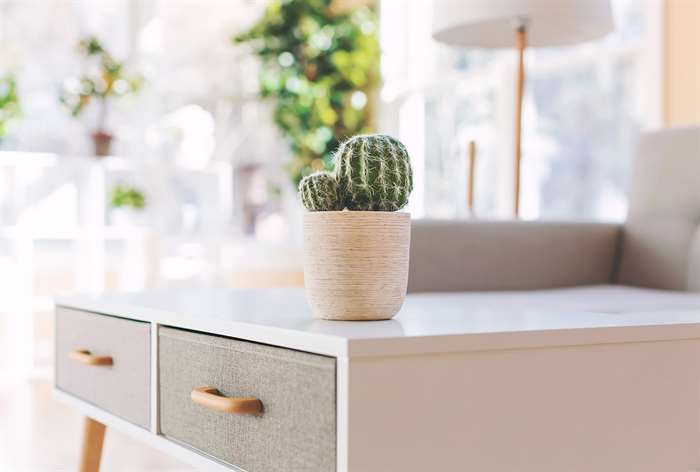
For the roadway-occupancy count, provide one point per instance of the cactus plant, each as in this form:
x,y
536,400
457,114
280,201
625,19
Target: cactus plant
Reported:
x,y
319,192
372,173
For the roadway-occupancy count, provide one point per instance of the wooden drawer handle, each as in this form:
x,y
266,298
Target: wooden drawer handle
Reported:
x,y
211,398
84,356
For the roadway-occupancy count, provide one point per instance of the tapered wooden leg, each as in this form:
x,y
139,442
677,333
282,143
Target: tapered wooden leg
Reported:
x,y
93,437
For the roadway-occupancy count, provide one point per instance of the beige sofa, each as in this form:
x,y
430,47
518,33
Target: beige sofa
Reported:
x,y
651,261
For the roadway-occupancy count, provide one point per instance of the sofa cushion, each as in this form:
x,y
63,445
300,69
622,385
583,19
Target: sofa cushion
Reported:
x,y
661,238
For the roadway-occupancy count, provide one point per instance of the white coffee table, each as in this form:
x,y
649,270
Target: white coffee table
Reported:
x,y
456,382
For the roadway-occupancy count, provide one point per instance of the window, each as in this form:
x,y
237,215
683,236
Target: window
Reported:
x,y
583,109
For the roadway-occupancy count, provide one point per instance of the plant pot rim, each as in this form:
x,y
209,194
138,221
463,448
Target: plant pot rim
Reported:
x,y
360,212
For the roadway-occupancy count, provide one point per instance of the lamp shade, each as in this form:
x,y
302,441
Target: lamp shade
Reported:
x,y
490,23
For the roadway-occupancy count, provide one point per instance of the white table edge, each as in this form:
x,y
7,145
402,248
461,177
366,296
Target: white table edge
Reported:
x,y
341,347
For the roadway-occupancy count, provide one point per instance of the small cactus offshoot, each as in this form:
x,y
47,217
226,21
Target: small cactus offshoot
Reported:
x,y
372,173
319,192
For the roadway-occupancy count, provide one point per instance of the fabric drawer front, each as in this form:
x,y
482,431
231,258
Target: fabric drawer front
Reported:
x,y
294,432
115,373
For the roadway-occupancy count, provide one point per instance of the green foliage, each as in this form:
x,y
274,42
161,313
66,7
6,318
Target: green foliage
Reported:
x,y
9,102
319,68
127,197
372,173
319,192
106,80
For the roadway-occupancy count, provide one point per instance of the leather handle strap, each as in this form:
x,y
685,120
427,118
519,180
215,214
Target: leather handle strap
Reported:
x,y
213,399
85,357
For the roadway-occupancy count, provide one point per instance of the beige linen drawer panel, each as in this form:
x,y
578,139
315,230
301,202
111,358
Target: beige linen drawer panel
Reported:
x,y
121,388
296,430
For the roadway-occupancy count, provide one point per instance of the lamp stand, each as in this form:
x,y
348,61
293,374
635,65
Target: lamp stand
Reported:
x,y
471,169
521,44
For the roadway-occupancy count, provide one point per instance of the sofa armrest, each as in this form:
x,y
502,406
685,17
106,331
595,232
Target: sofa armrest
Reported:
x,y
466,255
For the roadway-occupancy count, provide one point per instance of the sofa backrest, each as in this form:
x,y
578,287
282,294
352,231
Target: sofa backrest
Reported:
x,y
661,238
477,255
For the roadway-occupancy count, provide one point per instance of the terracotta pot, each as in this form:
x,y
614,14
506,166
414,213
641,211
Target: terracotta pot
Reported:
x,y
102,143
356,263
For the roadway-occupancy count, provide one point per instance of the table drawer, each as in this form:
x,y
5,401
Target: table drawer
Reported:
x,y
295,430
121,386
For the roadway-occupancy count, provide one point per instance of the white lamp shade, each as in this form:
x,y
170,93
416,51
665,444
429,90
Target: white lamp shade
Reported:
x,y
491,23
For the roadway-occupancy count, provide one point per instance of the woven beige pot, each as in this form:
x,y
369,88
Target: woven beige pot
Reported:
x,y
356,263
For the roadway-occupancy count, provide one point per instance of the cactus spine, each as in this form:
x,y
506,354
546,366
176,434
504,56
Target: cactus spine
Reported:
x,y
319,192
372,173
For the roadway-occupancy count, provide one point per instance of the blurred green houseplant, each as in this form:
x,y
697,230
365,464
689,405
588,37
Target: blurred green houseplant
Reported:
x,y
9,102
124,196
105,79
320,67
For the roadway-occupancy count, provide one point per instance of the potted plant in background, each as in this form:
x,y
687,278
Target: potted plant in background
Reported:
x,y
104,80
320,69
127,205
9,103
356,242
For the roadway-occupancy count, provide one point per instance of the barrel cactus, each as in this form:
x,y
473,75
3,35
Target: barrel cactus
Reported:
x,y
319,192
372,173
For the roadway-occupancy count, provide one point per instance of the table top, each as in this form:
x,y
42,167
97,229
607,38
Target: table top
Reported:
x,y
427,323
